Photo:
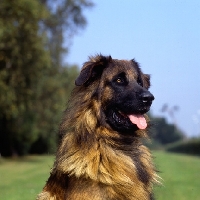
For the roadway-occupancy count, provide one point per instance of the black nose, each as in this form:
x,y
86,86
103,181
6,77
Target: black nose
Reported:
x,y
146,97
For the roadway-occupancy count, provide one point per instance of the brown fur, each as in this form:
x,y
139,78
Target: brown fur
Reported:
x,y
93,161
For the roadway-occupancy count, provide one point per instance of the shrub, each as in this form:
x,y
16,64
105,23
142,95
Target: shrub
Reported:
x,y
191,146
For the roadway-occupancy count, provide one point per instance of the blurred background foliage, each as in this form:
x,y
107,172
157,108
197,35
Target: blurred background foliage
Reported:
x,y
35,83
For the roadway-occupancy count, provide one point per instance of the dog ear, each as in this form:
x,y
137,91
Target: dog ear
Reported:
x,y
145,77
146,80
92,69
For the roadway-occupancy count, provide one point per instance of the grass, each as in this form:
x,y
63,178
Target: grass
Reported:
x,y
23,179
180,174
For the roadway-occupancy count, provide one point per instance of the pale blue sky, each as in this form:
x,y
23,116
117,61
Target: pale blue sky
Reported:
x,y
163,36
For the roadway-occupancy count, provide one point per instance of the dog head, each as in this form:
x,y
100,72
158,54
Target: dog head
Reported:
x,y
121,89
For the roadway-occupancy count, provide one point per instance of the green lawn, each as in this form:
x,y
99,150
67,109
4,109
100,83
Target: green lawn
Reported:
x,y
23,179
181,176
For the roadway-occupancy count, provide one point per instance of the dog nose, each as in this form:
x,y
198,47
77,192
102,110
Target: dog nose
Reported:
x,y
146,97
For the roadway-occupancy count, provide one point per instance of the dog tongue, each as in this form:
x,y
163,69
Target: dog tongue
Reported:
x,y
139,120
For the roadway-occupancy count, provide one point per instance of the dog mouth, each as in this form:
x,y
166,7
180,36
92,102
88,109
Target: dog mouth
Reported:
x,y
134,119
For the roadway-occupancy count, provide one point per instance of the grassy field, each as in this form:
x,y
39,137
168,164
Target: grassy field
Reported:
x,y
23,179
181,176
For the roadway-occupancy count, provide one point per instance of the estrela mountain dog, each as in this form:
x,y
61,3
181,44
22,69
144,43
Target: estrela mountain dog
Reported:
x,y
101,156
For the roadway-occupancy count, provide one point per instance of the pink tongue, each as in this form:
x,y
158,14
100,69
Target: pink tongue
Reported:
x,y
139,120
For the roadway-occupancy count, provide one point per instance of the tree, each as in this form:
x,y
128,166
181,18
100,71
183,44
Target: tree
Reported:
x,y
165,133
31,69
66,18
23,62
53,98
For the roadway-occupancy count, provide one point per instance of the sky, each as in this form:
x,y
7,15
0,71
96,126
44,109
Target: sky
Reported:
x,y
163,36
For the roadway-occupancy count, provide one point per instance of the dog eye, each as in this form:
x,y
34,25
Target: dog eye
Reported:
x,y
119,80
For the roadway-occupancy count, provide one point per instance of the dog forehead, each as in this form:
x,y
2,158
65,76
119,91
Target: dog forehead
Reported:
x,y
119,66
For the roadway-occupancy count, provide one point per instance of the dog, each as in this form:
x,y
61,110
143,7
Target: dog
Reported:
x,y
101,155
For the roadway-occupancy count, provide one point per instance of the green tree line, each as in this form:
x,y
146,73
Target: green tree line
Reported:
x,y
34,81
164,133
